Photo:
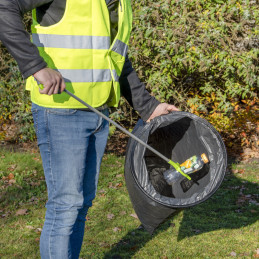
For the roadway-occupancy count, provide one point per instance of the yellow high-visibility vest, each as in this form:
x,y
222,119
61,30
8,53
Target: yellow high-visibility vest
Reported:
x,y
79,47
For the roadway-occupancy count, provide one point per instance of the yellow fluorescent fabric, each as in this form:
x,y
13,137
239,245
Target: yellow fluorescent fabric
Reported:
x,y
79,47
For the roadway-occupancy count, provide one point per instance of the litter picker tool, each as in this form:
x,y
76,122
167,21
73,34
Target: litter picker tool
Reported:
x,y
169,161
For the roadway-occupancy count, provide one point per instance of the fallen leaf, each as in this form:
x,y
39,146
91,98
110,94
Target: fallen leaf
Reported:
x,y
12,181
110,216
11,176
21,212
123,213
256,255
243,134
30,227
12,167
134,215
119,175
116,229
118,185
233,254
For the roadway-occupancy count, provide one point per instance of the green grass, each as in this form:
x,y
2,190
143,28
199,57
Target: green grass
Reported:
x,y
226,223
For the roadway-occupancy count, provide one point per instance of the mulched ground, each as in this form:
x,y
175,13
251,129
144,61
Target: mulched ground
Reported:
x,y
117,145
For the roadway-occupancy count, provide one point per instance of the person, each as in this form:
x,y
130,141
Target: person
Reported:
x,y
80,45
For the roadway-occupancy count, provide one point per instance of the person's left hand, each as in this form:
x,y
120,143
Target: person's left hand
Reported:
x,y
161,109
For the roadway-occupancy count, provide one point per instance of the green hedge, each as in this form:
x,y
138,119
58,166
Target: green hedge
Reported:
x,y
16,124
201,55
198,54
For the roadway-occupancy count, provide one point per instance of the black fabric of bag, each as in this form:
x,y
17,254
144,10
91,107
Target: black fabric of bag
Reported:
x,y
178,136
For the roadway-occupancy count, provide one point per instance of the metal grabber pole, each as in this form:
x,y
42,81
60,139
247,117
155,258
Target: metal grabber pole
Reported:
x,y
169,161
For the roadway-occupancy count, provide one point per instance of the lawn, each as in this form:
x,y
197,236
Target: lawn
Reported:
x,y
224,226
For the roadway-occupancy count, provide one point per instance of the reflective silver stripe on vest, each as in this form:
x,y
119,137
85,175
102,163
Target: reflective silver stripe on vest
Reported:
x,y
120,48
71,41
115,75
87,75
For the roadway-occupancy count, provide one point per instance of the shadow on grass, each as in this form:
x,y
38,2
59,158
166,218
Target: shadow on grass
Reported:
x,y
232,207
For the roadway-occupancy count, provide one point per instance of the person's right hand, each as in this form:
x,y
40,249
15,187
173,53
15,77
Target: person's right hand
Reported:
x,y
51,80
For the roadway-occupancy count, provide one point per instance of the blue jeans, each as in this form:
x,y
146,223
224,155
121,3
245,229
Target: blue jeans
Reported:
x,y
72,144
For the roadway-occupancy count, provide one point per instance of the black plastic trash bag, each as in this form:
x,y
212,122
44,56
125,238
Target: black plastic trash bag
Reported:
x,y
179,136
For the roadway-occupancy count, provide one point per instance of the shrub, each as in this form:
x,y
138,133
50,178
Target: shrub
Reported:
x,y
200,55
16,124
205,46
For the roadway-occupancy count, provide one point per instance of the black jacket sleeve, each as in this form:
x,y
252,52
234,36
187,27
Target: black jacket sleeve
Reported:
x,y
135,92
16,39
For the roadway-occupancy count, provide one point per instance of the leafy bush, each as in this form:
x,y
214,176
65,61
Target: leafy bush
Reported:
x,y
206,46
15,119
16,124
200,55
